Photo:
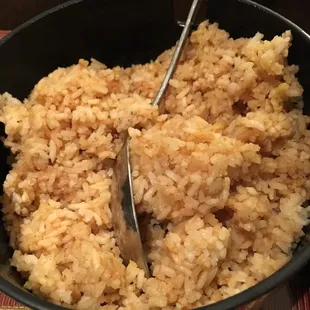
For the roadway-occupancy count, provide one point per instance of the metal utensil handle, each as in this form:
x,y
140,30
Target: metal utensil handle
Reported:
x,y
177,52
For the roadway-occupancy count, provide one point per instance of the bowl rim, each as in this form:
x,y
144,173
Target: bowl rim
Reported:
x,y
253,293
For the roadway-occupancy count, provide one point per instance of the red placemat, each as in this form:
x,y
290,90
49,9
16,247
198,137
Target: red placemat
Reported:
x,y
3,33
295,296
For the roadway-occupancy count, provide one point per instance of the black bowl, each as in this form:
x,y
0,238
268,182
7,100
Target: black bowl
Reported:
x,y
123,32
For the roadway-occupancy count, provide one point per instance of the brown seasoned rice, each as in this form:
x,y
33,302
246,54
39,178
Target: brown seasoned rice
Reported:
x,y
221,179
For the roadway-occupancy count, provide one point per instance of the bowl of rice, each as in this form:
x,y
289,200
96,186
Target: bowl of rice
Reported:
x,y
220,176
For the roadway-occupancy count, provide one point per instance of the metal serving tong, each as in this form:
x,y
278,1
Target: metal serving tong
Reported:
x,y
124,216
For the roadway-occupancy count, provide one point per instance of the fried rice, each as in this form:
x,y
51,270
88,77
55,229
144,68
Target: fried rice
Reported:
x,y
221,179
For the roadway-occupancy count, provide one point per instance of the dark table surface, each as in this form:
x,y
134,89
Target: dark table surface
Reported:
x,y
14,12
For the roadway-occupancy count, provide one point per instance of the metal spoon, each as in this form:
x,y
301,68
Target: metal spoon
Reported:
x,y
124,216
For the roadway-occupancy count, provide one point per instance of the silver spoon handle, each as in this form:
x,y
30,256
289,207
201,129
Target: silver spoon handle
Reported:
x,y
125,222
178,51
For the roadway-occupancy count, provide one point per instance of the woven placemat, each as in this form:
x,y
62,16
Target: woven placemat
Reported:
x,y
294,296
3,33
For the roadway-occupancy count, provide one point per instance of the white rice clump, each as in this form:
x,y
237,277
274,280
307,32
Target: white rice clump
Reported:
x,y
221,179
